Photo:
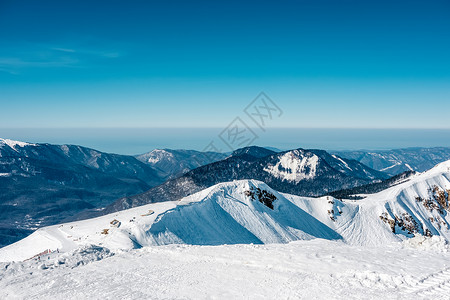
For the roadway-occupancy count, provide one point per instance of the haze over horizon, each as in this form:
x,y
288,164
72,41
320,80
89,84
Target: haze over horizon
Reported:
x,y
132,141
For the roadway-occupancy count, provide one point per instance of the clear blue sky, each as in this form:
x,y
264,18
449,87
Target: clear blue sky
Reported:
x,y
354,64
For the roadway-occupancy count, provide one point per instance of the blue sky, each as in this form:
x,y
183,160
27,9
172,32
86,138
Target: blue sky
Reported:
x,y
350,64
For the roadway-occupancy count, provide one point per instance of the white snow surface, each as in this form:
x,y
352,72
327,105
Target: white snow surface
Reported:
x,y
409,167
219,243
317,269
343,162
390,167
293,166
14,144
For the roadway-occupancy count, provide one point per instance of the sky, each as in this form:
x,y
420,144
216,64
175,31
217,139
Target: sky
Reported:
x,y
173,64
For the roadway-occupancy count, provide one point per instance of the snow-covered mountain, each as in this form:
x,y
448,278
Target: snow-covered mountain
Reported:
x,y
300,172
396,161
249,211
419,206
337,249
42,184
228,213
172,163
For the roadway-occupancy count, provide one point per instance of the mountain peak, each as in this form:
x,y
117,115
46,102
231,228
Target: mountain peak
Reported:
x,y
13,144
157,155
294,165
443,167
253,151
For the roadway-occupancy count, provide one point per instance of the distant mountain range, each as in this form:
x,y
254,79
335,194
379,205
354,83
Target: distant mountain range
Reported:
x,y
300,172
173,163
42,184
393,162
251,212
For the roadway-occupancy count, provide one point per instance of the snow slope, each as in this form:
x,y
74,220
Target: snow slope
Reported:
x,y
360,222
400,203
45,184
222,214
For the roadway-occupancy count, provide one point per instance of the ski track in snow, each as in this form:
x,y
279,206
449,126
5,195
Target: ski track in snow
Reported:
x,y
436,285
318,269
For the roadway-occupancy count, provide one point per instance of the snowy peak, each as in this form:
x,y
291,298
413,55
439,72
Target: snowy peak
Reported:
x,y
155,156
300,164
14,144
246,211
295,165
239,212
300,172
443,167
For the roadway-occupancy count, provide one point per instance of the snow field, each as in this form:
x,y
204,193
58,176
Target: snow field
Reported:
x,y
317,269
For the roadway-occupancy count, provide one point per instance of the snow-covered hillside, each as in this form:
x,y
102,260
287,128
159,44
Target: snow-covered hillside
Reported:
x,y
249,211
228,213
419,206
13,144
45,184
390,244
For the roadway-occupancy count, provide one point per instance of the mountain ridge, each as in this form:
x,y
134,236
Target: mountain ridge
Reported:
x,y
43,184
234,212
269,169
396,161
172,163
